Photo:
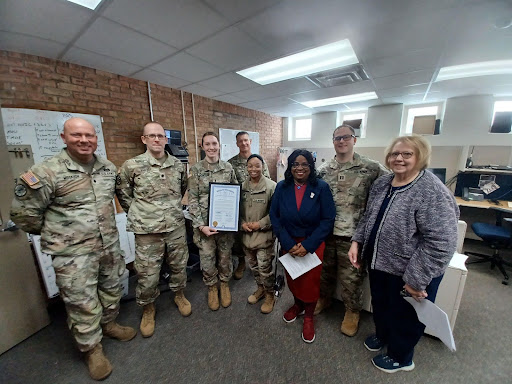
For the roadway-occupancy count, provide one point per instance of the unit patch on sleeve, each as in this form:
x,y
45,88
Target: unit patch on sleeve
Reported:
x,y
20,190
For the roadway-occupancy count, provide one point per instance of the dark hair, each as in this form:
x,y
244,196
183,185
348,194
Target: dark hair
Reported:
x,y
344,126
240,134
256,156
210,133
312,179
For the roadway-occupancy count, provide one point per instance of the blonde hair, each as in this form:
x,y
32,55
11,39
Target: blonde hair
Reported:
x,y
420,145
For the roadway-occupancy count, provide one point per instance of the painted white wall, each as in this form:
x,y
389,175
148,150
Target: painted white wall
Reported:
x,y
465,124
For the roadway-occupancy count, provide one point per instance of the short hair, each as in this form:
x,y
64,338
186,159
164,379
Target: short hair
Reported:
x,y
151,122
210,133
344,126
420,145
241,133
256,156
313,178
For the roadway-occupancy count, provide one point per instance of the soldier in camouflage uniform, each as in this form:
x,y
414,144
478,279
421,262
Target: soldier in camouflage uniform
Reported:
x,y
214,247
67,199
239,164
350,177
150,188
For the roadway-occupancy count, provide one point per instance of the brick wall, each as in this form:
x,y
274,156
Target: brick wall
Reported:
x,y
28,81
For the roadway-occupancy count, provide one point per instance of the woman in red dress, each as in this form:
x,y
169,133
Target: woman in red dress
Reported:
x,y
302,215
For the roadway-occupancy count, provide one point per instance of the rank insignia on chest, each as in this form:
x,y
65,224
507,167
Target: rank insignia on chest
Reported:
x,y
118,180
162,176
341,177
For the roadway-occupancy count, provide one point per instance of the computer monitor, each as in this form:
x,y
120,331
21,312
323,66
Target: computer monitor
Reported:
x,y
439,172
466,180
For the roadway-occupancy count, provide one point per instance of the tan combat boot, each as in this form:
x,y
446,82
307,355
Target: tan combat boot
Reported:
x,y
257,295
321,304
119,332
225,295
268,304
183,304
147,323
98,364
350,323
213,297
240,269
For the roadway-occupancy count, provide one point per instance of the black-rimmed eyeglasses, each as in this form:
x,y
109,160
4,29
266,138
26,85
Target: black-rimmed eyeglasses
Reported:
x,y
344,137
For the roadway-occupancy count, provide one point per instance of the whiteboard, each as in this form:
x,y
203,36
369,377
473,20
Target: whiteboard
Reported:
x,y
228,147
41,130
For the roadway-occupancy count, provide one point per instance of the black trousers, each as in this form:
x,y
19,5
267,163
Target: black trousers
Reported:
x,y
396,323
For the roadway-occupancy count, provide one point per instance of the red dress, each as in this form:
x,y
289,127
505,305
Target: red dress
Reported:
x,y
307,286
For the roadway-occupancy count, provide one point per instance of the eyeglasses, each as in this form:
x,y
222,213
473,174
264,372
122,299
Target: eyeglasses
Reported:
x,y
344,137
301,165
405,155
153,136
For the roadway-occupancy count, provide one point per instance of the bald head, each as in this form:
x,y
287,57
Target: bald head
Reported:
x,y
152,126
80,139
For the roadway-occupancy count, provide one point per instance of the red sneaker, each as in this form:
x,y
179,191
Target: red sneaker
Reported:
x,y
291,314
308,330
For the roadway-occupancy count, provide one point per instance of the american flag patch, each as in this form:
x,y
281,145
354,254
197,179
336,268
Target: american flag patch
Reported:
x,y
30,178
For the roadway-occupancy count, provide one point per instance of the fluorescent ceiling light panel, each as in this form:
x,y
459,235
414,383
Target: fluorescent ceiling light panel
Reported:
x,y
326,57
91,4
340,100
484,68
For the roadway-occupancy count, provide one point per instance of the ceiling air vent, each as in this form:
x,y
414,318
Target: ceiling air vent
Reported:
x,y
339,76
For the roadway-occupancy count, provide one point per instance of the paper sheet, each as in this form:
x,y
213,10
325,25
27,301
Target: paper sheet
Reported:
x,y
435,319
297,266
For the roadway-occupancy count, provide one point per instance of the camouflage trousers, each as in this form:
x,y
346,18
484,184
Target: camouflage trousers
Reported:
x,y
149,254
337,267
260,262
215,256
89,286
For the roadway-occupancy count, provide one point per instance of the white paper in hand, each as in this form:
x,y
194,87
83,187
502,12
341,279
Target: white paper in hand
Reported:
x,y
435,319
297,266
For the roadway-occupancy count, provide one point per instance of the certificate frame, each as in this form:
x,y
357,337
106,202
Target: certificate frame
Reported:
x,y
224,206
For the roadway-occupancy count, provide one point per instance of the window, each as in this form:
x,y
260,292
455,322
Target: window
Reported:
x,y
300,128
356,121
502,117
421,119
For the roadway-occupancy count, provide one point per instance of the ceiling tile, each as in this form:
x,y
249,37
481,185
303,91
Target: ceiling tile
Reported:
x,y
29,44
187,67
236,10
160,78
230,99
275,101
403,91
409,62
112,39
105,63
179,23
231,49
404,79
200,90
342,90
47,19
229,83
253,94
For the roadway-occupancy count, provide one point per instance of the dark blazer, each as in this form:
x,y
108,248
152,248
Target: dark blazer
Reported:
x,y
314,221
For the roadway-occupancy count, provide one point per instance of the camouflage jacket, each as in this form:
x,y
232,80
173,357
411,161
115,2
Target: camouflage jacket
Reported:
x,y
71,209
201,175
151,193
350,186
256,200
239,164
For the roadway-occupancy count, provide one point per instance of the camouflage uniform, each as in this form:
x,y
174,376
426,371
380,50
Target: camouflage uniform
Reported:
x,y
350,186
259,245
239,165
201,174
151,195
73,212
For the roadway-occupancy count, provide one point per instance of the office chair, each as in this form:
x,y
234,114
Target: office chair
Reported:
x,y
497,237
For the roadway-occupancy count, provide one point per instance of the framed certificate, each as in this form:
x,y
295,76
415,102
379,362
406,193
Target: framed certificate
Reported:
x,y
224,207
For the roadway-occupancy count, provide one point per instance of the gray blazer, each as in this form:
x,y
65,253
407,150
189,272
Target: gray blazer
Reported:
x,y
418,233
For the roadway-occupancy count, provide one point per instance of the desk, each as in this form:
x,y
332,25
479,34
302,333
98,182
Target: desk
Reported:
x,y
485,209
